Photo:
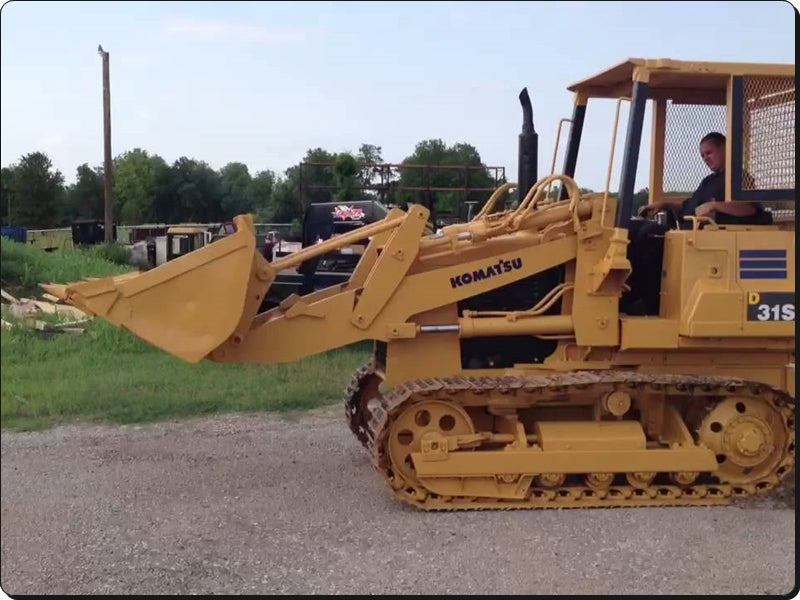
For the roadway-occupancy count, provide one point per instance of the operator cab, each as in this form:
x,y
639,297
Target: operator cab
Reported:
x,y
752,105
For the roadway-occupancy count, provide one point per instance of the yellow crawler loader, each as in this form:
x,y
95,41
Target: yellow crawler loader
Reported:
x,y
564,352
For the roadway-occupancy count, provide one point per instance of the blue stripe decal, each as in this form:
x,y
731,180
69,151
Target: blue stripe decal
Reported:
x,y
762,275
762,253
763,264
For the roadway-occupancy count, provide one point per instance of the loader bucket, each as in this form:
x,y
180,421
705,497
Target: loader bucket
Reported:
x,y
186,307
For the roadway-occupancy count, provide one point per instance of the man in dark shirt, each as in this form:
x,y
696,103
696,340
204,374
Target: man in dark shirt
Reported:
x,y
709,198
646,250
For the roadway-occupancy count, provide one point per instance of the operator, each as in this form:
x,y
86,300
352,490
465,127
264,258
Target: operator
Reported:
x,y
646,250
710,194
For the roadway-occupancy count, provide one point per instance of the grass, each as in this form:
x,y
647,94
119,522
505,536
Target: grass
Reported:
x,y
109,375
115,253
24,266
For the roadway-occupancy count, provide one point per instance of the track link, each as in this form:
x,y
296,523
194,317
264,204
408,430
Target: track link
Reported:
x,y
706,392
362,387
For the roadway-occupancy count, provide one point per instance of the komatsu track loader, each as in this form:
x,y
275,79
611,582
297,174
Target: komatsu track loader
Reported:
x,y
561,353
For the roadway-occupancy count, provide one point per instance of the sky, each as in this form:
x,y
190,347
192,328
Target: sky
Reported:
x,y
263,82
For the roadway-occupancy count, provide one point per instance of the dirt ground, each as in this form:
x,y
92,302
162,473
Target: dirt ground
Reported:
x,y
274,505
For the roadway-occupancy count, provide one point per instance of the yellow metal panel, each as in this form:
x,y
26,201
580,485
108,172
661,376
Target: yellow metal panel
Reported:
x,y
712,313
705,285
427,355
595,315
649,332
590,435
437,287
670,305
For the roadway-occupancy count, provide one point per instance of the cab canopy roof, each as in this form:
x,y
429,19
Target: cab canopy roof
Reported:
x,y
680,81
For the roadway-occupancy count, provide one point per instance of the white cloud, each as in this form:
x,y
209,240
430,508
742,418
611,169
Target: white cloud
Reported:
x,y
225,30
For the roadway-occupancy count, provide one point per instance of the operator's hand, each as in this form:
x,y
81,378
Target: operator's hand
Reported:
x,y
706,208
648,208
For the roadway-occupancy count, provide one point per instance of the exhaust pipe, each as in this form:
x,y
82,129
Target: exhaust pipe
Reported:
x,y
528,157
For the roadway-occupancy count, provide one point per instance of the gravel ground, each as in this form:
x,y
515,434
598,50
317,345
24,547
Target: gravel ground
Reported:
x,y
270,505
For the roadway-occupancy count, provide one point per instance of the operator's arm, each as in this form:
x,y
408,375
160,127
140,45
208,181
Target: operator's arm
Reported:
x,y
737,209
662,205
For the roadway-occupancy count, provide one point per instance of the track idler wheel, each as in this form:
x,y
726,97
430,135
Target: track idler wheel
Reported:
x,y
747,435
418,421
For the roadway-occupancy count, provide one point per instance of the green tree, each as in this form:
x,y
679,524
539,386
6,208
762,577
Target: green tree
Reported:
x,y
198,191
436,153
86,198
259,191
345,177
134,186
165,203
290,194
368,153
235,185
314,175
285,205
36,192
5,194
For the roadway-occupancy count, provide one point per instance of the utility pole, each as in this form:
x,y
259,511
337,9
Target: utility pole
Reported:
x,y
108,227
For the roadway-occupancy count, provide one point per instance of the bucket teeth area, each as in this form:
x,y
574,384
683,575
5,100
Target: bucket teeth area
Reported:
x,y
187,307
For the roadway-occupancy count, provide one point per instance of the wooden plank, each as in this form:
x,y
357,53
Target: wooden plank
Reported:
x,y
8,296
45,307
68,324
59,309
74,330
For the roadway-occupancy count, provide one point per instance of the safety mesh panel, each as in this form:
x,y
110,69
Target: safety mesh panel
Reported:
x,y
686,125
768,133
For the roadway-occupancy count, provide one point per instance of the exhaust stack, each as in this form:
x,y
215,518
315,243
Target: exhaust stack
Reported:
x,y
528,157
